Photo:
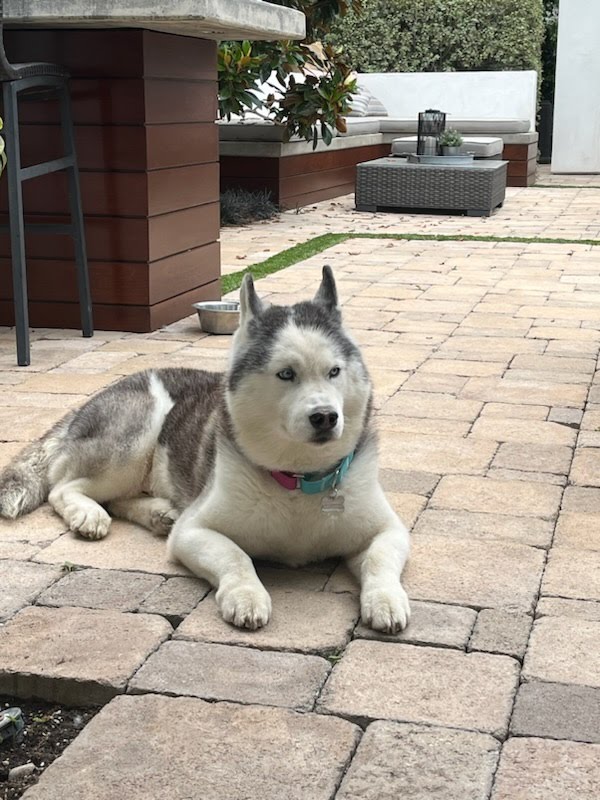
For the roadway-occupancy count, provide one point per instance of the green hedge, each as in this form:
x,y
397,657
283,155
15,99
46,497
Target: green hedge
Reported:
x,y
442,35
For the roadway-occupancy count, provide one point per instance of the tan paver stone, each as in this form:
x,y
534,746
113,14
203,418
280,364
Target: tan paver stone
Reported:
x,y
8,450
408,506
514,411
490,345
431,382
582,500
437,454
524,393
545,362
18,427
499,631
430,404
310,579
524,431
468,369
521,475
572,574
470,525
466,573
591,418
422,684
101,588
558,607
401,358
19,551
534,457
557,711
430,623
100,765
471,493
175,598
585,470
563,650
422,425
115,551
541,769
21,582
75,655
140,346
395,760
41,526
559,312
302,621
413,482
578,530
239,674
65,383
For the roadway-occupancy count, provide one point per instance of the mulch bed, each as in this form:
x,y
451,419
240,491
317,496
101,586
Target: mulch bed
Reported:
x,y
49,728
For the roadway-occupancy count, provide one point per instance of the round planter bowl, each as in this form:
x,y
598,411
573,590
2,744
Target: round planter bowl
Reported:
x,y
451,150
218,316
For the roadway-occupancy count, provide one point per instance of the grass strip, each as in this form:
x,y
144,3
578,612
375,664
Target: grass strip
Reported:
x,y
300,252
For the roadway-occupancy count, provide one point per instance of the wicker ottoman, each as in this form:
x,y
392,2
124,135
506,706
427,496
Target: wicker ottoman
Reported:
x,y
475,189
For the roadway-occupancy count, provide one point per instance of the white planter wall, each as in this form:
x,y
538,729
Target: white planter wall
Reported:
x,y
576,137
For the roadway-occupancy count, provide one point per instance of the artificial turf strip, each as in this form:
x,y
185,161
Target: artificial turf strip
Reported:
x,y
300,252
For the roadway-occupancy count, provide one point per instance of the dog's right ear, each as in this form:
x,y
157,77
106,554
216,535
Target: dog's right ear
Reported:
x,y
250,303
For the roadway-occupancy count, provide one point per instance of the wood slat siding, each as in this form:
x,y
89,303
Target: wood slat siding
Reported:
x,y
144,106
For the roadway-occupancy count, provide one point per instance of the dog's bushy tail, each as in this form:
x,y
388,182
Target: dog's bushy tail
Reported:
x,y
24,483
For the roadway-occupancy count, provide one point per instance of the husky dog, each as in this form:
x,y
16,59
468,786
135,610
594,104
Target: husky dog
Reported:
x,y
276,460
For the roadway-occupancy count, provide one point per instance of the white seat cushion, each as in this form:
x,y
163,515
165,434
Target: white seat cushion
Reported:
x,y
480,146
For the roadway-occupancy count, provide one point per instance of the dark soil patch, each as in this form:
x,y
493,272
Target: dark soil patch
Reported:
x,y
49,728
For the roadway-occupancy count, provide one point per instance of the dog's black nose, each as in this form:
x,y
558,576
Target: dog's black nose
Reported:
x,y
324,420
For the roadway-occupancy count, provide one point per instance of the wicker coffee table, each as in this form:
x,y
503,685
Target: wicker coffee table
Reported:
x,y
474,189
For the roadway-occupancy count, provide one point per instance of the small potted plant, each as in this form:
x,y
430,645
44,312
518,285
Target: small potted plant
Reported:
x,y
450,141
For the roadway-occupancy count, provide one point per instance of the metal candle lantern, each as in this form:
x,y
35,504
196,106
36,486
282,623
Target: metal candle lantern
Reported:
x,y
431,124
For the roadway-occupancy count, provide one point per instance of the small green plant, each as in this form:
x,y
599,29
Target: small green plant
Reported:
x,y
67,566
450,138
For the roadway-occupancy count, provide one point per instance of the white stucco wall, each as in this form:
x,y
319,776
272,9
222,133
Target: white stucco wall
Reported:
x,y
576,137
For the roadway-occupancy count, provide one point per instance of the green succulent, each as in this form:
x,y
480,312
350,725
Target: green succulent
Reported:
x,y
450,138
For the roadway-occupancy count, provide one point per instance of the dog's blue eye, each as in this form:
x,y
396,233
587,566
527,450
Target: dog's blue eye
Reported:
x,y
286,374
333,373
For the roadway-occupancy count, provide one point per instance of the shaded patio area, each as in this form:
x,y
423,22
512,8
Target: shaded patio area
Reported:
x,y
484,357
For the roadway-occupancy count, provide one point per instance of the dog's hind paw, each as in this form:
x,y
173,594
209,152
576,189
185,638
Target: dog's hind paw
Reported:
x,y
92,523
385,609
246,606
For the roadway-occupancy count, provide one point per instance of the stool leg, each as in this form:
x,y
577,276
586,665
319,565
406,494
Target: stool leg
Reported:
x,y
83,280
17,225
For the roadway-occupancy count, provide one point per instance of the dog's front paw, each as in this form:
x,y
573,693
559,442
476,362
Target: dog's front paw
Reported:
x,y
91,522
385,609
245,606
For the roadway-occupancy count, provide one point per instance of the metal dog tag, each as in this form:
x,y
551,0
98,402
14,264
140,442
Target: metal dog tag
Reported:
x,y
332,503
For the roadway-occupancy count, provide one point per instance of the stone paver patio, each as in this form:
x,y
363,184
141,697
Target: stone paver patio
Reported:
x,y
484,360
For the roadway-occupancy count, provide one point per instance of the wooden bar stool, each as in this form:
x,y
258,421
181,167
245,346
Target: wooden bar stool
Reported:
x,y
39,81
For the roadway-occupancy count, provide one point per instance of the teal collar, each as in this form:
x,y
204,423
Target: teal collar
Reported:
x,y
308,485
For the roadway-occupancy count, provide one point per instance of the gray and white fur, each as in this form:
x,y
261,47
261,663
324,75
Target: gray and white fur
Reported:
x,y
191,452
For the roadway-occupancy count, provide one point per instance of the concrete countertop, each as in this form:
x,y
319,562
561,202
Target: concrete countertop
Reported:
x,y
203,19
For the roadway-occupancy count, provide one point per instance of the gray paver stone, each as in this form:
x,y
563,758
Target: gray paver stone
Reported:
x,y
541,769
240,674
397,760
557,607
572,573
101,588
21,582
75,655
182,748
563,650
499,631
175,598
557,711
435,686
430,623
303,621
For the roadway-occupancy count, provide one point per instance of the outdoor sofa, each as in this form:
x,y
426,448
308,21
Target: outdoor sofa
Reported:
x,y
488,105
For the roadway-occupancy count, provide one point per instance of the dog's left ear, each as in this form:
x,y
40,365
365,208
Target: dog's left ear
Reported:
x,y
250,303
327,294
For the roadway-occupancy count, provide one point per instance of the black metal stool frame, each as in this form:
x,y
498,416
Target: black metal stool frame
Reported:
x,y
16,174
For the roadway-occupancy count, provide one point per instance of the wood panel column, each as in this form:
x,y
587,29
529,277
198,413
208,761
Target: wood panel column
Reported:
x,y
144,106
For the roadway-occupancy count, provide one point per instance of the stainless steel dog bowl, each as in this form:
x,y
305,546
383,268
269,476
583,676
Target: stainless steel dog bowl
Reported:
x,y
218,316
